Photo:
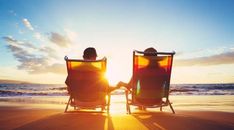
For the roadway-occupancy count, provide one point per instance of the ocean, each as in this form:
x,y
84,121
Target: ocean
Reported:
x,y
7,90
204,97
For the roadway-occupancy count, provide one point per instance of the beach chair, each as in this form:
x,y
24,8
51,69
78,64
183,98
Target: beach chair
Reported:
x,y
87,85
150,81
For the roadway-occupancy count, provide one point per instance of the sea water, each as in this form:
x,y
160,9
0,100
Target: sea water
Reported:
x,y
211,97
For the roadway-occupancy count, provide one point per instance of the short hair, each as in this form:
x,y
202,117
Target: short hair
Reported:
x,y
150,52
90,53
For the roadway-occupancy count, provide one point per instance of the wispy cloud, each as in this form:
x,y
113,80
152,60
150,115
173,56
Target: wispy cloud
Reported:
x,y
37,35
49,51
15,42
27,24
41,54
59,39
34,62
223,58
12,12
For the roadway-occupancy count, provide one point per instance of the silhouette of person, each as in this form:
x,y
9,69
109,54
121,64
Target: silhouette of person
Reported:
x,y
92,74
148,80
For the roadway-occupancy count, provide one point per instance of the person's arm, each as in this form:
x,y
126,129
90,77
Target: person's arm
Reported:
x,y
126,85
120,84
112,88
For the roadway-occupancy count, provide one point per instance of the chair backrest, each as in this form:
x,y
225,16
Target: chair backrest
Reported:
x,y
151,75
86,79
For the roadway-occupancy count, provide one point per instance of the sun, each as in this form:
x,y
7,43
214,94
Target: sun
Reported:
x,y
112,77
115,74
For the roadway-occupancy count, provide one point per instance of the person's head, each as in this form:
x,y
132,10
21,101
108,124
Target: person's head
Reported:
x,y
150,52
90,54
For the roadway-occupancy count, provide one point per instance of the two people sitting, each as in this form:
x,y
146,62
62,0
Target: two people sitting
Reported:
x,y
142,76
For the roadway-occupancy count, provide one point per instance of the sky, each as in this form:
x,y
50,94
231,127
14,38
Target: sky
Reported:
x,y
35,35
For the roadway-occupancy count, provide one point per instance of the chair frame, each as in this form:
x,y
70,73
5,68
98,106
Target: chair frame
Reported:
x,y
71,98
163,103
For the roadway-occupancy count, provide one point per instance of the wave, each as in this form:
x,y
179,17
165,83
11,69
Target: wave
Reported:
x,y
202,89
4,93
61,90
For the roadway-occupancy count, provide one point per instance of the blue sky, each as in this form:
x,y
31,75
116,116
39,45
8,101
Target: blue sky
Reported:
x,y
201,32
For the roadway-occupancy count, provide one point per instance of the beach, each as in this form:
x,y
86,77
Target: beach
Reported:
x,y
60,59
201,113
47,119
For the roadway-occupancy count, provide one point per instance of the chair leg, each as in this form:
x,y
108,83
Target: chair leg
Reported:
x,y
68,103
127,103
108,109
103,108
108,104
161,108
129,109
171,108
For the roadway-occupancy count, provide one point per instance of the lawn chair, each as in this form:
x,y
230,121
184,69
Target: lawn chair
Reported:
x,y
87,85
150,81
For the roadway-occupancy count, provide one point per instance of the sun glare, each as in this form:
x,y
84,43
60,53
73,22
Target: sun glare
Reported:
x,y
117,72
112,78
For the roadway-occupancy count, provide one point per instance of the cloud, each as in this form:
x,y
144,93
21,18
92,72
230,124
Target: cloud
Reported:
x,y
37,35
72,35
34,62
15,42
59,40
9,39
27,24
49,51
223,58
58,68
13,12
53,68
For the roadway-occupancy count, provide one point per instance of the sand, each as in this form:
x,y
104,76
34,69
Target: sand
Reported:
x,y
55,119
